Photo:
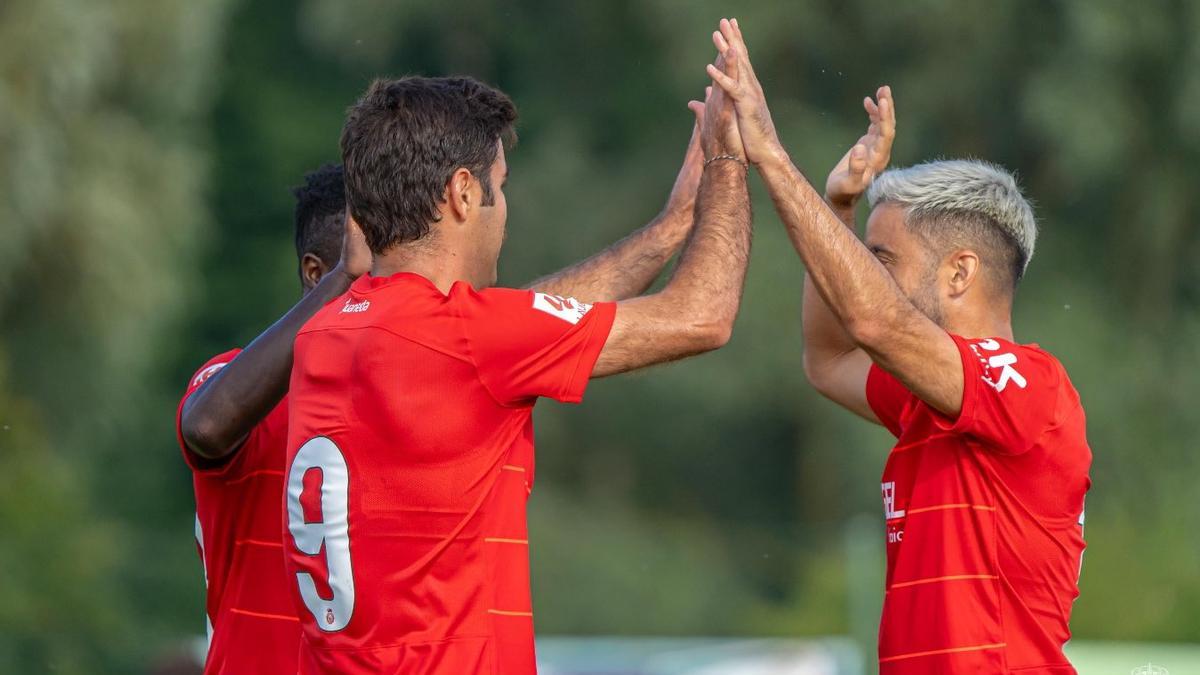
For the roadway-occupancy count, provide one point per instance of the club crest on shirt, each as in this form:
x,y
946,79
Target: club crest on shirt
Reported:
x,y
567,309
207,373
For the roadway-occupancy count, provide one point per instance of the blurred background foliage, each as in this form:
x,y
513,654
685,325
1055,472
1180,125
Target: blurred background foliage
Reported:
x,y
147,147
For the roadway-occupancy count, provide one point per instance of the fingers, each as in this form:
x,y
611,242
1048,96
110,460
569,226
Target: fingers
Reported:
x,y
887,111
725,82
697,109
719,42
871,108
728,34
733,63
858,160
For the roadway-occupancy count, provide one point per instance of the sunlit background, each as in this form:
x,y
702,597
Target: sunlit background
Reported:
x,y
147,148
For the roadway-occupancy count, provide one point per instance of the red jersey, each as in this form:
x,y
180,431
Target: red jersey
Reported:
x,y
984,517
410,455
252,625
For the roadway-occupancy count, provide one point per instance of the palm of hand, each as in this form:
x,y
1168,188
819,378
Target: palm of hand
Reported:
x,y
868,157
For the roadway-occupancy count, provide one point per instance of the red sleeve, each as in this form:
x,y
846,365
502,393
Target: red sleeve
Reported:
x,y
195,462
526,344
1010,393
887,398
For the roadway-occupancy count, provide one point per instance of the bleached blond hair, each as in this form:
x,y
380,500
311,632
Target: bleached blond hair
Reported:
x,y
966,203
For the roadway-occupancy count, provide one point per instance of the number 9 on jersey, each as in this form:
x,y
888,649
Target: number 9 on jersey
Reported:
x,y
332,531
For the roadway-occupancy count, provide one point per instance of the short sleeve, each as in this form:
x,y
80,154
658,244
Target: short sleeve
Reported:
x,y
527,345
1010,393
195,462
887,397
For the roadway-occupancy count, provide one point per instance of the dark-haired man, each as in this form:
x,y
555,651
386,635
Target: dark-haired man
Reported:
x,y
410,445
232,426
912,329
233,418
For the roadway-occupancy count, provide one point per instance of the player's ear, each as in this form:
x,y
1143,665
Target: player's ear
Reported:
x,y
459,192
964,268
312,269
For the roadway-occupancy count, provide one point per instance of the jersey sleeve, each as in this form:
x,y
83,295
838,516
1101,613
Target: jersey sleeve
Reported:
x,y
887,397
195,462
1010,393
527,345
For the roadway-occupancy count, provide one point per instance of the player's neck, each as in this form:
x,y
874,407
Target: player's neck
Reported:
x,y
981,324
428,259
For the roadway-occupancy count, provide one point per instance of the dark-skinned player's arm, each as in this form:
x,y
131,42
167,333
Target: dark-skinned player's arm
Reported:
x,y
856,287
221,413
834,364
695,311
628,267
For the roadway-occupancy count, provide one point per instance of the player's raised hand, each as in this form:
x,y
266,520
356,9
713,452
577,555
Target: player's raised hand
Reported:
x,y
719,134
683,193
868,157
741,85
356,255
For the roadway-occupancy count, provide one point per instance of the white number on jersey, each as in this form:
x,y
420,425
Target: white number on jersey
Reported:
x,y
332,531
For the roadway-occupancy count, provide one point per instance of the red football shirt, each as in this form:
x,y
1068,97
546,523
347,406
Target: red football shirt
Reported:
x,y
252,625
410,455
984,517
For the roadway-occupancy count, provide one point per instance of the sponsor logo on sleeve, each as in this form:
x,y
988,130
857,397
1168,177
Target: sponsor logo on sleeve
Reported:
x,y
1004,362
208,372
352,307
567,309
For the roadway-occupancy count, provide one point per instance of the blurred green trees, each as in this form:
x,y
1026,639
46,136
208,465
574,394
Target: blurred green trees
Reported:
x,y
148,148
104,109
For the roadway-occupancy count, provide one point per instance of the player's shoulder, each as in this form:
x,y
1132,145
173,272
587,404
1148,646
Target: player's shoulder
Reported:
x,y
470,302
464,292
529,305
212,366
1029,366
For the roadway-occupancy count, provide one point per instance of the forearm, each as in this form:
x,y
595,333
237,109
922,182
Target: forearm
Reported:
x,y
853,284
626,268
824,337
711,272
695,312
218,416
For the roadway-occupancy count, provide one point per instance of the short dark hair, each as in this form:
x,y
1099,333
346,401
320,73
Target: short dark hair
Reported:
x,y
404,139
321,214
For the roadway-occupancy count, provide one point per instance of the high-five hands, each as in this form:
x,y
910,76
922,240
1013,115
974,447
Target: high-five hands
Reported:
x,y
868,157
719,134
687,181
738,82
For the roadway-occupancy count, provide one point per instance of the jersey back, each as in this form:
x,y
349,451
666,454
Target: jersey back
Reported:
x,y
252,624
411,457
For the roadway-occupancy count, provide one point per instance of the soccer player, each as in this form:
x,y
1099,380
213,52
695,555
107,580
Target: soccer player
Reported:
x,y
232,428
410,444
232,421
983,493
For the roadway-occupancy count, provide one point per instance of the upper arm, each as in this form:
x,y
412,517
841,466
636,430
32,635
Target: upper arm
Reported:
x,y
189,430
655,329
527,345
920,354
842,378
